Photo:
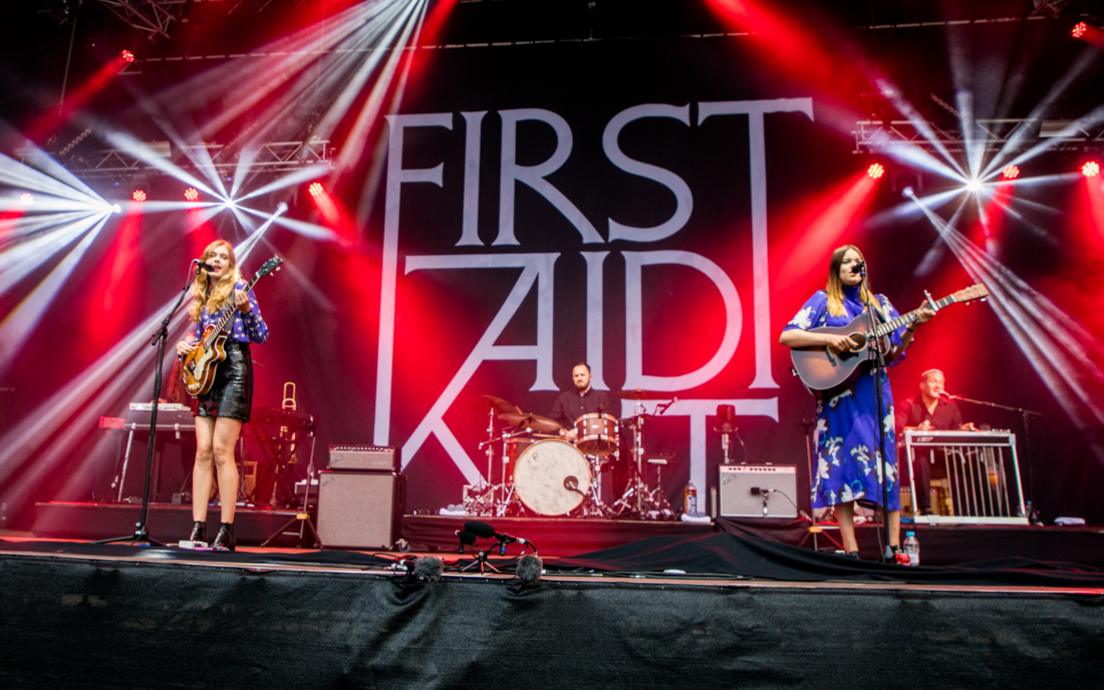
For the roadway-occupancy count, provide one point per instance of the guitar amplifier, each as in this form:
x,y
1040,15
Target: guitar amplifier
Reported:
x,y
359,510
371,458
757,491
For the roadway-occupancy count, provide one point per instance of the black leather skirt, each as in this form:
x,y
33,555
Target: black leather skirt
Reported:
x,y
231,394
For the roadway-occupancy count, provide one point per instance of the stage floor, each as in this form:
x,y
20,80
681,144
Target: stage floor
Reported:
x,y
564,537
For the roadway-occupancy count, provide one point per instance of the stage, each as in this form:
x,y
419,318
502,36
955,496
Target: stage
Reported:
x,y
290,617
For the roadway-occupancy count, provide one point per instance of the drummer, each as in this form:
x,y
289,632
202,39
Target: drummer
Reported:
x,y
570,405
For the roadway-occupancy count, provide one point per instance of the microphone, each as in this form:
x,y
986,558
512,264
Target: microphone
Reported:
x,y
466,538
757,491
859,268
205,267
948,396
487,531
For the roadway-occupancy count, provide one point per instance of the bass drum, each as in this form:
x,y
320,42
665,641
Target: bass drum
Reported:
x,y
552,478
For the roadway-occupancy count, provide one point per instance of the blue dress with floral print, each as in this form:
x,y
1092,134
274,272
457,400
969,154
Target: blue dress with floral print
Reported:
x,y
847,467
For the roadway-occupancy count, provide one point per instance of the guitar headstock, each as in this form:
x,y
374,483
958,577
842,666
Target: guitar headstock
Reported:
x,y
267,267
969,294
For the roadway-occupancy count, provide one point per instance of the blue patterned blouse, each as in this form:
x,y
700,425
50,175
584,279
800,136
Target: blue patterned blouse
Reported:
x,y
248,327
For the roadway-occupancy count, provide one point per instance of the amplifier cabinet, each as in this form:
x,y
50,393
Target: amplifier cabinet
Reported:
x,y
757,491
359,510
372,458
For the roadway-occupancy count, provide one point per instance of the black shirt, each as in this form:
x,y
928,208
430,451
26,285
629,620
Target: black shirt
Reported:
x,y
570,405
945,417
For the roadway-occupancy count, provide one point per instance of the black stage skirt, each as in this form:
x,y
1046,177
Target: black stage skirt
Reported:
x,y
231,394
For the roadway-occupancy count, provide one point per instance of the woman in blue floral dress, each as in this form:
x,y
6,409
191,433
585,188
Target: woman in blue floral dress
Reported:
x,y
847,462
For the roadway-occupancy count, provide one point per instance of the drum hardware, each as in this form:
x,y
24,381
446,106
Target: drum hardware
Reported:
x,y
639,499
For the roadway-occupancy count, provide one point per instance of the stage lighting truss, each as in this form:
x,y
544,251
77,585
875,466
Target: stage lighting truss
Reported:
x,y
157,17
874,136
272,156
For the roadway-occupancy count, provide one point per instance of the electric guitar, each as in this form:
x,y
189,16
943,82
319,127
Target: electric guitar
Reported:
x,y
197,370
826,373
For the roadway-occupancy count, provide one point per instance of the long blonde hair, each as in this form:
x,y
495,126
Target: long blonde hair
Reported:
x,y
214,294
834,288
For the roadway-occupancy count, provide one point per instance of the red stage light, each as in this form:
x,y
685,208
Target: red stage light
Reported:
x,y
315,189
1079,29
138,195
875,171
1090,169
191,194
1010,172
27,199
127,56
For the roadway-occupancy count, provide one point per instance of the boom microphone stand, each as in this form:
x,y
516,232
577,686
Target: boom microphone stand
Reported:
x,y
879,373
1025,417
141,532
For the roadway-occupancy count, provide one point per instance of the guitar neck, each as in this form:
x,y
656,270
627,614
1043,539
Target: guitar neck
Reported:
x,y
228,314
908,318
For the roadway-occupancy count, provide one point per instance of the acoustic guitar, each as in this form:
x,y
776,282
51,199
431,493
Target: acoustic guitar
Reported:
x,y
826,373
197,370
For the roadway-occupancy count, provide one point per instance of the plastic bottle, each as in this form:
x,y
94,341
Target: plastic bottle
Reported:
x,y
690,499
911,547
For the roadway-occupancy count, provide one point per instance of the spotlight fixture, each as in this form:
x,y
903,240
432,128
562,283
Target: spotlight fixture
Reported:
x,y
1079,30
27,199
908,192
191,194
127,56
282,207
1010,172
875,171
973,185
138,195
315,189
1091,169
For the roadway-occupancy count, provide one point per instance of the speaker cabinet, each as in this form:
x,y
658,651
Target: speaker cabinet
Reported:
x,y
757,491
359,510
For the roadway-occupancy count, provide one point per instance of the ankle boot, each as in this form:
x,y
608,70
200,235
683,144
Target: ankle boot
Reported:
x,y
199,532
224,540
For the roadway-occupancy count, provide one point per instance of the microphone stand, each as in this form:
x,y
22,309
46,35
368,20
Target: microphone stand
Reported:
x,y
880,376
159,339
1025,417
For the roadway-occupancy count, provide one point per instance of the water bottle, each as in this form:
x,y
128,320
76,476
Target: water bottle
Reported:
x,y
690,499
911,548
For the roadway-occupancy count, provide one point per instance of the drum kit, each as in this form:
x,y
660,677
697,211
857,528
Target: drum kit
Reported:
x,y
545,472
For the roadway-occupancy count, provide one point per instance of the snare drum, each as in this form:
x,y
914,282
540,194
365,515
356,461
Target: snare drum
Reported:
x,y
552,478
597,433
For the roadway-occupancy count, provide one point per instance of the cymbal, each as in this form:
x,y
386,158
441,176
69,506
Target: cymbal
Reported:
x,y
501,405
638,394
533,421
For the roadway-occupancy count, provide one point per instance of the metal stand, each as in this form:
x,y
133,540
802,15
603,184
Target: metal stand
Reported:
x,y
878,371
160,338
303,516
484,564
